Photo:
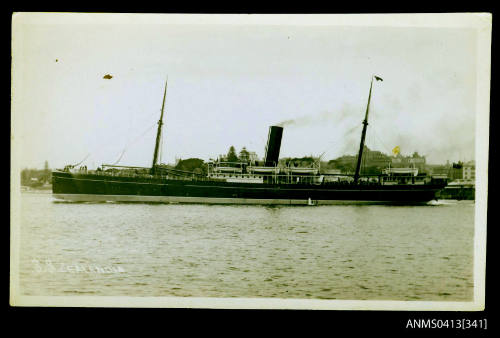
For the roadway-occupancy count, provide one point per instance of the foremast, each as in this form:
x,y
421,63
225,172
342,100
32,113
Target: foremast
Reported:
x,y
363,133
158,133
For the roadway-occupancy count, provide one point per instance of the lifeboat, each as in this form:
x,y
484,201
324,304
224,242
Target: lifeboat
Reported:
x,y
228,170
263,170
401,171
303,170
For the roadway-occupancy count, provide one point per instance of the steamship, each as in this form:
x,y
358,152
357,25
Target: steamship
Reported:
x,y
246,182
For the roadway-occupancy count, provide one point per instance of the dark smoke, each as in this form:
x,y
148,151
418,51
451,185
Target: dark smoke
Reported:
x,y
323,117
346,124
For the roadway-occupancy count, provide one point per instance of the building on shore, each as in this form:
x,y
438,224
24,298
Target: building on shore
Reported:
x,y
253,157
374,162
469,171
461,176
461,171
413,161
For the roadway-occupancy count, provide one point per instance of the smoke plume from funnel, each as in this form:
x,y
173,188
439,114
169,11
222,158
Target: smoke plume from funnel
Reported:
x,y
337,117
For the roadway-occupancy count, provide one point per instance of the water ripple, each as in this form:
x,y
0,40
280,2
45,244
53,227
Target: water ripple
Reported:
x,y
327,252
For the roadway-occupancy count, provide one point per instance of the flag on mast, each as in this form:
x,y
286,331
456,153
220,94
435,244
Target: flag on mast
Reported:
x,y
378,78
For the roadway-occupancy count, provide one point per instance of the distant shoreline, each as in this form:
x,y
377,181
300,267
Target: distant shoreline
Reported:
x,y
40,188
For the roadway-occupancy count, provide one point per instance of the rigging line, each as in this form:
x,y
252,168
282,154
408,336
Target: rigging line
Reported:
x,y
339,137
141,119
383,144
119,158
161,147
369,140
147,117
132,142
144,119
74,165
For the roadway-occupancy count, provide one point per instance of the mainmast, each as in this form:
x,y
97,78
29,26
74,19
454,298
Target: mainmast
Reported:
x,y
158,134
363,133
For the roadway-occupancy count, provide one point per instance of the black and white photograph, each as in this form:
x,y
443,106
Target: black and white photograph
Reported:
x,y
250,161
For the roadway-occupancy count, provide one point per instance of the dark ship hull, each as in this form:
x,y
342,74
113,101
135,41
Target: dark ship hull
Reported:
x,y
102,187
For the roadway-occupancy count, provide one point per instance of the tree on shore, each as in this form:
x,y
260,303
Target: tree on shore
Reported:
x,y
35,177
244,155
231,155
195,165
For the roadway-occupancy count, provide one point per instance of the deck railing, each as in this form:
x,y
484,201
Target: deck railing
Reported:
x,y
161,176
322,179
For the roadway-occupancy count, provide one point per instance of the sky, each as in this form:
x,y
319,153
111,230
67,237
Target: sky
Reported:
x,y
227,83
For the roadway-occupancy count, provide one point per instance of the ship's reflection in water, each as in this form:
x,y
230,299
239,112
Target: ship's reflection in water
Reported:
x,y
329,252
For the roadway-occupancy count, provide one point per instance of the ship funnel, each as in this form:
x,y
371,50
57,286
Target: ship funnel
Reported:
x,y
273,146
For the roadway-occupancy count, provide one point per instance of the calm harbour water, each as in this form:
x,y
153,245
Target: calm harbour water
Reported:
x,y
329,252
